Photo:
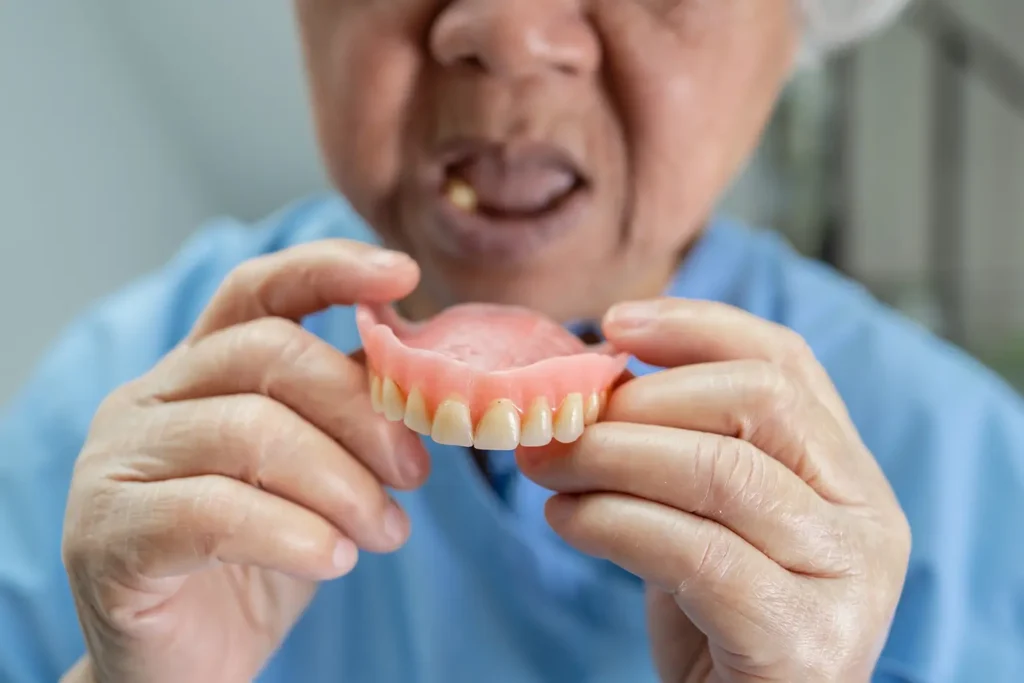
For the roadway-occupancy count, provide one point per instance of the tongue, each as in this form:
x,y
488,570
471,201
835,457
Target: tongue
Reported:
x,y
527,186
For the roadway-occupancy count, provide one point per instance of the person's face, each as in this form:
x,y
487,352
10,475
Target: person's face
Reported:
x,y
596,135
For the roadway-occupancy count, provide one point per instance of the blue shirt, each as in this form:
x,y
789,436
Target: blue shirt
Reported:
x,y
484,590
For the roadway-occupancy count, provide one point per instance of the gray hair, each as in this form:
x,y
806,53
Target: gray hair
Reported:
x,y
833,24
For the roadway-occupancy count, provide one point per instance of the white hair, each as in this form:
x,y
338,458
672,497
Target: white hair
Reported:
x,y
833,24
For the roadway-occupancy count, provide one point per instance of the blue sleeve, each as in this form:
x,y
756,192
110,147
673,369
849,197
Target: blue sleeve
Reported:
x,y
949,435
959,474
43,429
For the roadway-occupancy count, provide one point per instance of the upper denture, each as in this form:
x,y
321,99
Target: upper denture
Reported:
x,y
486,375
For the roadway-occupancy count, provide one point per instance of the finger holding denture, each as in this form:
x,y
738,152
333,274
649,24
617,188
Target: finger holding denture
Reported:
x,y
488,376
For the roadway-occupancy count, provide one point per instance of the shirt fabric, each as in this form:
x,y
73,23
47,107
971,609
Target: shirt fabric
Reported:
x,y
484,590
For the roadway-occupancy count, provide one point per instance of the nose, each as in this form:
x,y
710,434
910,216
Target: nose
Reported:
x,y
515,38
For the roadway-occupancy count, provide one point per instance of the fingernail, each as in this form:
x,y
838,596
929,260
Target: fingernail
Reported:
x,y
345,553
632,316
394,523
383,258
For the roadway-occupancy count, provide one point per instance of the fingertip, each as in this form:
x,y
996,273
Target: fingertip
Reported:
x,y
533,459
396,525
387,258
411,464
344,557
560,508
631,317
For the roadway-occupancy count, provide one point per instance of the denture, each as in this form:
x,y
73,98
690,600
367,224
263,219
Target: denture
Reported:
x,y
484,375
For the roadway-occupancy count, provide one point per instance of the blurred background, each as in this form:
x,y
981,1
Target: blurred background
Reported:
x,y
124,125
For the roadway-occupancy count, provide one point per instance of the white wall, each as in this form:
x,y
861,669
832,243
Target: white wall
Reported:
x,y
93,188
123,126
229,74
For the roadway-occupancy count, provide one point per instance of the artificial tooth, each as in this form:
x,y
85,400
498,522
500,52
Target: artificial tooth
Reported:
x,y
569,421
462,195
499,428
393,401
537,427
592,410
416,416
453,425
375,394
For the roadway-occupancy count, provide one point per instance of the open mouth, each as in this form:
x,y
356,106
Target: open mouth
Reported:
x,y
499,199
501,194
484,375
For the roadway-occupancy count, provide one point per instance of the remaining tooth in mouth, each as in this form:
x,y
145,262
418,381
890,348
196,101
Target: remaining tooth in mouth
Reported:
x,y
462,195
502,427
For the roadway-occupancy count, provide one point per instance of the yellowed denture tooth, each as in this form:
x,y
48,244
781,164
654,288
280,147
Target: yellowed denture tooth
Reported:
x,y
453,425
462,195
592,410
569,425
416,416
537,425
393,401
498,429
375,394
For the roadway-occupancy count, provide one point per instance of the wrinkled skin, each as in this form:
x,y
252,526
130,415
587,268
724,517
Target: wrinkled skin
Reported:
x,y
661,100
735,484
217,490
214,492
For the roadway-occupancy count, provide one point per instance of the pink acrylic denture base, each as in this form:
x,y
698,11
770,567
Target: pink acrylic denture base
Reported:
x,y
481,353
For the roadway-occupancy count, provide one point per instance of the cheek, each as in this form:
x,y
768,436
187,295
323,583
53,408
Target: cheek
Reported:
x,y
362,85
694,106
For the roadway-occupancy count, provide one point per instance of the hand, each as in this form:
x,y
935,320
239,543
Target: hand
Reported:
x,y
735,484
215,492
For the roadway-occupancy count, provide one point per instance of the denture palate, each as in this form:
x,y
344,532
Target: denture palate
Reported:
x,y
487,376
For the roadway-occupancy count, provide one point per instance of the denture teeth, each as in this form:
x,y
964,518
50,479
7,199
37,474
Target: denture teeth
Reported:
x,y
461,195
592,410
416,416
375,394
568,426
453,425
392,401
499,428
537,425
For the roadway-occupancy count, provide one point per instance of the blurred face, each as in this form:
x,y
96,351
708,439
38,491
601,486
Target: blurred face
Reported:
x,y
558,154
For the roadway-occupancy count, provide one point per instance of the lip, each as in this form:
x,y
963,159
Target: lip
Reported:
x,y
508,238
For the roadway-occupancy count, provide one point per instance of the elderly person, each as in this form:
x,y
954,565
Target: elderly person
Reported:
x,y
199,454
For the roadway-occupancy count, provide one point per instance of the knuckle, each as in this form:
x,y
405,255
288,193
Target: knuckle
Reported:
x,y
728,474
244,277
213,514
358,506
242,287
794,350
283,345
255,425
903,536
776,394
275,335
713,564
